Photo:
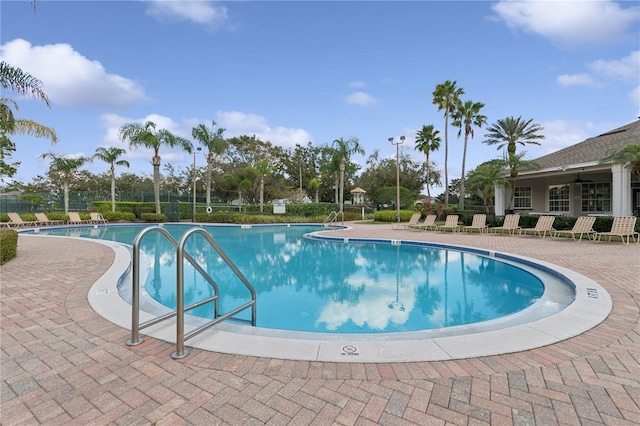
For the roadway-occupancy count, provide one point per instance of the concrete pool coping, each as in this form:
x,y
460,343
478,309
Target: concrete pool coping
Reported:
x,y
591,306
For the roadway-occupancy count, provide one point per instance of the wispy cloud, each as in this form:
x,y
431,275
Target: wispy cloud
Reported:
x,y
202,12
582,79
71,79
570,23
357,84
360,98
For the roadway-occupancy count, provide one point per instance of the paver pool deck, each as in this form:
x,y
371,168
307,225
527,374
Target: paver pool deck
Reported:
x,y
61,363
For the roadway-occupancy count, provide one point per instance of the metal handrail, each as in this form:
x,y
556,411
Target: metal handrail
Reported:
x,y
179,312
332,218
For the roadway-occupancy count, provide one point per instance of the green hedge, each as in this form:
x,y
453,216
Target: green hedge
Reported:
x,y
390,215
8,245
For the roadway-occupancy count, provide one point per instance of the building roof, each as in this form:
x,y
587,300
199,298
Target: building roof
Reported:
x,y
358,190
593,149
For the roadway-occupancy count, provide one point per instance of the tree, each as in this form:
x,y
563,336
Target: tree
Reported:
x,y
342,152
427,140
511,131
515,163
484,178
446,96
66,167
147,136
263,168
466,116
24,84
215,144
314,184
111,155
629,153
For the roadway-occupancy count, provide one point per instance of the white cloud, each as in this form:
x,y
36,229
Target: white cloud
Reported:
x,y
570,22
360,98
634,95
582,79
197,11
239,123
626,69
71,79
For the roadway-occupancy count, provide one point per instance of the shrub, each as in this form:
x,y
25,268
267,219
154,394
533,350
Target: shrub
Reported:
x,y
119,216
390,215
8,245
153,217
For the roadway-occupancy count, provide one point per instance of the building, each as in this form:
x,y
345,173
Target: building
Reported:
x,y
572,182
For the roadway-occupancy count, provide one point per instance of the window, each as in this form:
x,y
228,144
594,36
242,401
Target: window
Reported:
x,y
559,198
596,197
522,197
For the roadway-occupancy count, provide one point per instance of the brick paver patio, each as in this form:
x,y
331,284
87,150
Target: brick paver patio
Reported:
x,y
63,364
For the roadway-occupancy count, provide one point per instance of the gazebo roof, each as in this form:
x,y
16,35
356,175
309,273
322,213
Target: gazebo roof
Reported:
x,y
358,190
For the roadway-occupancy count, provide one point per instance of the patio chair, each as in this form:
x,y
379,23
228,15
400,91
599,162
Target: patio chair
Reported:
x,y
17,222
97,218
429,223
450,223
479,222
510,224
622,226
44,219
583,226
405,225
543,225
74,219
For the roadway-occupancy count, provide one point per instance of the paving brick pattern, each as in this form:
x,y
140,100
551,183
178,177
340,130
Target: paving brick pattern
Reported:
x,y
63,364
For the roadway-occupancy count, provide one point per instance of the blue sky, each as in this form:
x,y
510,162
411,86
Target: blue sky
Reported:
x,y
296,71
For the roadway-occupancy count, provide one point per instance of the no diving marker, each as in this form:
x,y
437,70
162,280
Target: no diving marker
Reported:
x,y
350,350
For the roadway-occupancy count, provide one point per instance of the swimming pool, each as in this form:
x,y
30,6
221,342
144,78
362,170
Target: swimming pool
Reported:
x,y
532,327
325,285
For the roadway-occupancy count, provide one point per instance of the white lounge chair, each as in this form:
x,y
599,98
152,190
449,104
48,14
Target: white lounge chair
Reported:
x,y
97,218
510,224
405,225
74,219
543,225
429,223
622,226
583,226
450,223
17,222
479,222
44,219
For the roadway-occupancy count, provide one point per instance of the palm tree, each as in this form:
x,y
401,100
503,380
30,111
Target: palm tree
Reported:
x,y
22,83
215,143
66,167
263,168
343,150
466,116
427,140
110,155
515,163
314,184
484,178
147,136
629,153
511,131
446,96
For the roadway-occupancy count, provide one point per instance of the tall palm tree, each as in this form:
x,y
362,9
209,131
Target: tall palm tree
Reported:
x,y
427,141
216,145
466,116
263,168
111,155
24,84
343,150
314,184
446,96
66,167
511,131
629,153
146,136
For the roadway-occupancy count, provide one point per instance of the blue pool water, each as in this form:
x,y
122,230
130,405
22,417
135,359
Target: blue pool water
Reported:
x,y
330,286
